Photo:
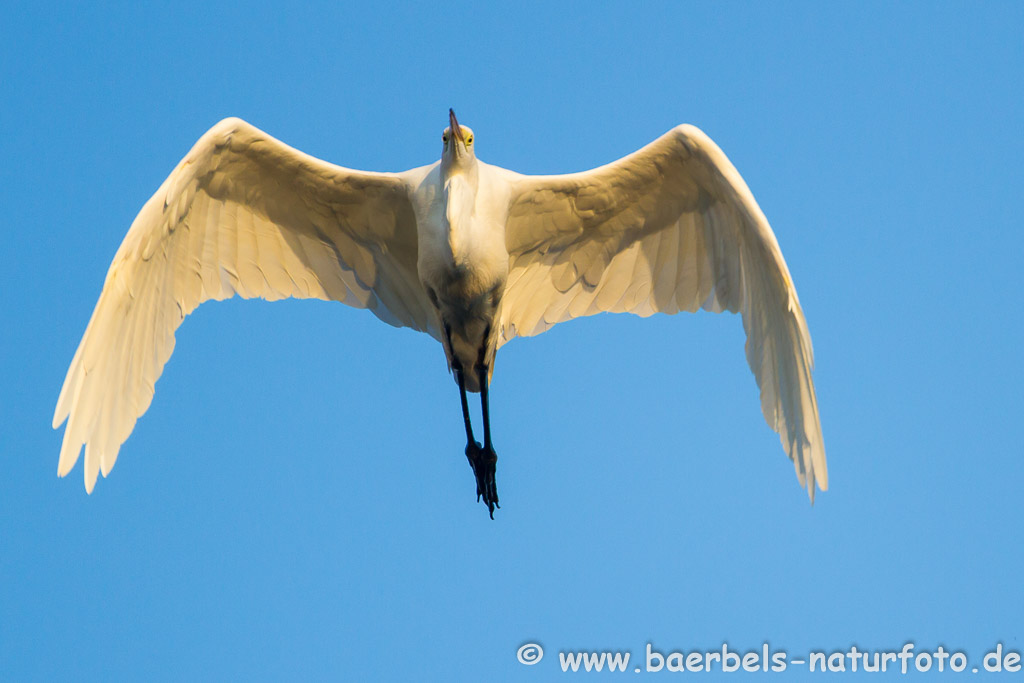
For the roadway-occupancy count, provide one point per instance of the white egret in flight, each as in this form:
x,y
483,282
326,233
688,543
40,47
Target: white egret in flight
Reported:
x,y
471,254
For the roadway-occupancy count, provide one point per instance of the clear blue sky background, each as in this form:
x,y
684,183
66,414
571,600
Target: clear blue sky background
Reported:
x,y
296,501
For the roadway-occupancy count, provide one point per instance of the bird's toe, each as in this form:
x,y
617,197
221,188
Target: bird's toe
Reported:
x,y
483,461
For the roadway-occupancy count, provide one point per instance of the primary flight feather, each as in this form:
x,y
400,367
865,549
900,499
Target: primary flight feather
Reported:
x,y
469,253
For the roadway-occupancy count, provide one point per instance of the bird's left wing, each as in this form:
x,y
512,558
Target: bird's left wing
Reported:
x,y
241,214
671,227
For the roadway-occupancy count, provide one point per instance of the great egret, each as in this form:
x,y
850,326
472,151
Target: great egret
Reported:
x,y
469,253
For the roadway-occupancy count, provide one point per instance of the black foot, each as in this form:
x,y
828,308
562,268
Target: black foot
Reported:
x,y
483,460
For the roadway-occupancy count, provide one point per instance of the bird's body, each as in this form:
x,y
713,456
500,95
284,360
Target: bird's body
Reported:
x,y
461,209
470,253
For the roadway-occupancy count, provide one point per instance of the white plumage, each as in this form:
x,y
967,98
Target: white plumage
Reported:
x,y
470,253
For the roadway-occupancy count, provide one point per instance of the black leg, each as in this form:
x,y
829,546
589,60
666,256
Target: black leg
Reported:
x,y
488,457
481,373
485,408
465,405
461,379
481,458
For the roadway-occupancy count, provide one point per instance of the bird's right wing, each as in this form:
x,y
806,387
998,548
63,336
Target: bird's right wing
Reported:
x,y
671,227
241,214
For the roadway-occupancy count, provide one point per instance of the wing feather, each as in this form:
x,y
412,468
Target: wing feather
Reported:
x,y
241,214
670,227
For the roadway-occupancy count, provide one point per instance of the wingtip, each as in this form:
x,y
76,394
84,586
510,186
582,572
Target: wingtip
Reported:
x,y
62,410
811,473
92,467
69,452
90,479
816,483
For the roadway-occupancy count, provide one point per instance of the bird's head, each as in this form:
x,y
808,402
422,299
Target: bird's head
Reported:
x,y
458,142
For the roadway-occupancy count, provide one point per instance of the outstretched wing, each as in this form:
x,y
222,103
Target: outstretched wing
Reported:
x,y
669,228
241,214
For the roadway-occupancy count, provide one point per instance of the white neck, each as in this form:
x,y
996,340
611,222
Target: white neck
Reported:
x,y
460,190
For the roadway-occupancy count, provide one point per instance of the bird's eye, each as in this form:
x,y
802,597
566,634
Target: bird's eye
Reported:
x,y
444,138
469,140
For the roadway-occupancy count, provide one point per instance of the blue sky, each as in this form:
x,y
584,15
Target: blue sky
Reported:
x,y
296,502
